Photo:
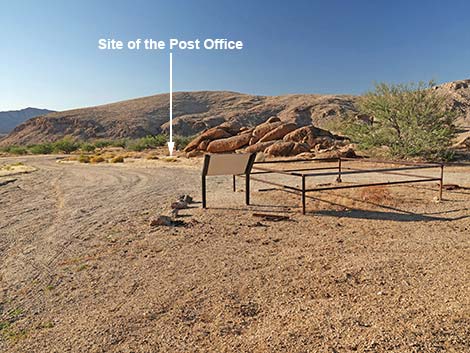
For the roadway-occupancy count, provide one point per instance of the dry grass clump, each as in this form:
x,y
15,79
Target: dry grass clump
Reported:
x,y
107,155
170,159
152,155
83,158
97,159
117,159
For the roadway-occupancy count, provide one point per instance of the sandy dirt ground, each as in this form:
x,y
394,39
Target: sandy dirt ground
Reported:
x,y
366,270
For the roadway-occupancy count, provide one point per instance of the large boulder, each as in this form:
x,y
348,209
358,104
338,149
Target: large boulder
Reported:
x,y
286,149
273,119
232,127
263,129
309,135
280,149
203,145
211,134
259,147
279,132
299,148
229,144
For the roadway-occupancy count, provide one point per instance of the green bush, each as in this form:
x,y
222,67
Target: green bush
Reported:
x,y
66,145
87,147
42,148
411,120
146,143
102,143
119,143
182,141
17,150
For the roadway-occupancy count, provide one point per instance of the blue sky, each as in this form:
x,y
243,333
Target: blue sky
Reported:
x,y
49,56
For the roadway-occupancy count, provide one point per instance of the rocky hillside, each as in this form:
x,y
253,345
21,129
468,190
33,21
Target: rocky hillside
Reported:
x,y
12,118
193,112
459,99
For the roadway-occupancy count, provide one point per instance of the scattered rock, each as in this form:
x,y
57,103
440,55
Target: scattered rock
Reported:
x,y
194,153
186,198
179,205
345,152
161,221
271,217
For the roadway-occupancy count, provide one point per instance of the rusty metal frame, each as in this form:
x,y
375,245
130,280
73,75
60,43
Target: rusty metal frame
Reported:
x,y
340,170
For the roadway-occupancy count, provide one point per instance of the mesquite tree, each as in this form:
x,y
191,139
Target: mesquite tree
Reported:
x,y
411,120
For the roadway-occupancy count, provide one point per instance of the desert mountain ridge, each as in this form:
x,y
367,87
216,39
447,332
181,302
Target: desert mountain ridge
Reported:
x,y
12,118
194,112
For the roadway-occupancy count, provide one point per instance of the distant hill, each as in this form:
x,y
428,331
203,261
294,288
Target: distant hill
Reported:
x,y
12,118
194,112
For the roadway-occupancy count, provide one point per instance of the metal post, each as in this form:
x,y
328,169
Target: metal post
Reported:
x,y
203,191
247,188
441,182
303,194
338,179
234,184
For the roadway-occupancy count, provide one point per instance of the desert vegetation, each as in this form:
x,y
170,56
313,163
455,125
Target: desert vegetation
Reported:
x,y
404,121
68,145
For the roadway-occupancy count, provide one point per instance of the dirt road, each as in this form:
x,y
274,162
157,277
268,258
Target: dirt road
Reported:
x,y
82,270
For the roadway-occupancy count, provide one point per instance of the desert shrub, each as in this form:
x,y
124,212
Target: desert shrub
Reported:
x,y
152,156
66,145
19,150
119,143
97,159
87,147
117,159
102,143
146,143
42,148
411,120
84,159
182,141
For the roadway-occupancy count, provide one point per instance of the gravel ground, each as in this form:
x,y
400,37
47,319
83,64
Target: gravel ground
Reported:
x,y
370,270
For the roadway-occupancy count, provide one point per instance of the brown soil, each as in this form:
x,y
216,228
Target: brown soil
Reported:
x,y
369,271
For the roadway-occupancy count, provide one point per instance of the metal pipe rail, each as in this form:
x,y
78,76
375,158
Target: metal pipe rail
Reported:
x,y
341,171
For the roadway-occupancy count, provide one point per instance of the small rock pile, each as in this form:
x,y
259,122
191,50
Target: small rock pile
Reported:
x,y
169,220
273,138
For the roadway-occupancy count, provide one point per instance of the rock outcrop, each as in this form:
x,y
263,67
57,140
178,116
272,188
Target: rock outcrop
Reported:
x,y
273,137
